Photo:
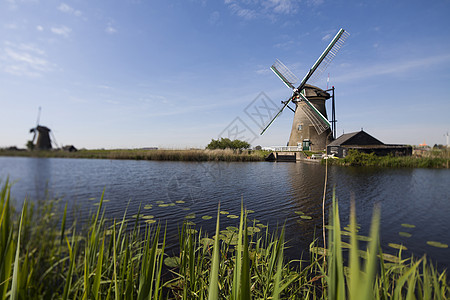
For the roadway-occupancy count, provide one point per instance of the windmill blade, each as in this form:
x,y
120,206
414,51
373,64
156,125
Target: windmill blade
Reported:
x,y
54,140
320,65
288,78
325,59
33,130
319,122
276,116
38,117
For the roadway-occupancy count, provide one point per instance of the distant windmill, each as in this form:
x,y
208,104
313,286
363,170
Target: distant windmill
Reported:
x,y
43,135
310,128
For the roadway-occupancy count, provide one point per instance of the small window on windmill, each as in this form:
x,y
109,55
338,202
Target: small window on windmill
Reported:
x,y
299,127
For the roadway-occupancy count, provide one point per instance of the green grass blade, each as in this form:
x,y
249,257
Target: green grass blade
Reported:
x,y
98,271
63,224
213,289
371,263
245,273
279,252
15,278
354,257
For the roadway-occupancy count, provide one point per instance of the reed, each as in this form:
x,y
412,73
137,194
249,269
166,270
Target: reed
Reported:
x,y
43,257
138,154
355,158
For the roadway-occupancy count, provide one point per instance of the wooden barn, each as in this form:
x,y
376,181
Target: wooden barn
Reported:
x,y
364,142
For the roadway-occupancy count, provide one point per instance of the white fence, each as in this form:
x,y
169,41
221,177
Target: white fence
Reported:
x,y
283,148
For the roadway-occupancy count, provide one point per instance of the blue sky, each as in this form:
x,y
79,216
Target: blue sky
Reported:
x,y
174,74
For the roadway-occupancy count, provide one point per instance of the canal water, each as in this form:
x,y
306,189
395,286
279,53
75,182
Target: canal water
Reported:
x,y
276,192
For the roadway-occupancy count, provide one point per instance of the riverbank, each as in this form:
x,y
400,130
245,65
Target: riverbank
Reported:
x,y
45,257
438,160
140,154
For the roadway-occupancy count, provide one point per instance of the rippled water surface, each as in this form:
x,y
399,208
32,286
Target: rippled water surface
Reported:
x,y
275,191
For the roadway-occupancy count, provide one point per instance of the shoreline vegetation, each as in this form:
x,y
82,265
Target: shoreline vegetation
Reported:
x,y
429,159
432,159
43,257
141,154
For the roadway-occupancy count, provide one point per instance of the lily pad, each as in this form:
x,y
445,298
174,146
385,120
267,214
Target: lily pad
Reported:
x,y
299,212
180,202
306,217
93,198
206,217
190,216
437,244
232,229
190,223
405,234
172,262
397,246
406,225
163,205
223,212
390,258
261,225
186,208
148,206
148,217
159,202
252,230
232,216
150,221
249,211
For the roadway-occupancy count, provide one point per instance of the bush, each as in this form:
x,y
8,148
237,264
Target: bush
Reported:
x,y
226,143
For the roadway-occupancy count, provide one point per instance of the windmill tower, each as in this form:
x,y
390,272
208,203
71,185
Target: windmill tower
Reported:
x,y
308,132
310,128
43,133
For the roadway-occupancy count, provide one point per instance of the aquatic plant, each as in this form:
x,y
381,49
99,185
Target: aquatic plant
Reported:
x,y
42,256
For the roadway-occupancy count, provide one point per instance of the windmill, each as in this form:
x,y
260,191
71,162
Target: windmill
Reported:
x,y
43,135
310,128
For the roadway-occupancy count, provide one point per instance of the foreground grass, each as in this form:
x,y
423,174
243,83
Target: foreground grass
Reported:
x,y
41,257
138,154
433,160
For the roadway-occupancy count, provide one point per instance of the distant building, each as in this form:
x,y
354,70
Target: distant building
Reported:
x,y
364,142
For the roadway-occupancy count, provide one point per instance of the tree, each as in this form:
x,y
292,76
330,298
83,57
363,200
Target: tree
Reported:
x,y
226,143
30,145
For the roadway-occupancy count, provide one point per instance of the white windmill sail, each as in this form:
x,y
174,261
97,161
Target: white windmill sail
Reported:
x,y
284,74
318,120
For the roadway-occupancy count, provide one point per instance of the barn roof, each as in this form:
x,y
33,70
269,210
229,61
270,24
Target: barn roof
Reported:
x,y
356,138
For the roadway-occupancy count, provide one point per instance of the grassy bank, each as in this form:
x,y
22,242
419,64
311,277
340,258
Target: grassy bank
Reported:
x,y
138,154
432,160
42,257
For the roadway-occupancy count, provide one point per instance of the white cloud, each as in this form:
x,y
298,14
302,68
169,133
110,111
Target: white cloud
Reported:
x,y
10,26
62,30
68,9
326,37
394,68
39,28
110,29
23,60
214,17
251,9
